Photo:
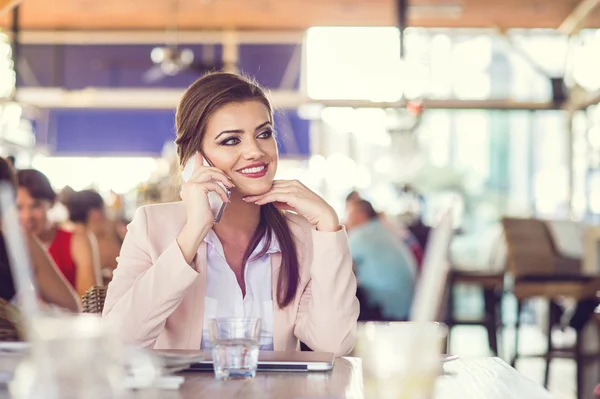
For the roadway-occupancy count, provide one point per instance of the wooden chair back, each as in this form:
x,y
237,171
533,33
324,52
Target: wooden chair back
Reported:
x,y
532,252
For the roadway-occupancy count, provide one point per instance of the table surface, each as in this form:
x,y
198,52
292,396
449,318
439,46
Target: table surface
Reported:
x,y
465,378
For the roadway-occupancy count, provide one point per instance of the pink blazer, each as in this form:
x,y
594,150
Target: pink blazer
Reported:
x,y
157,299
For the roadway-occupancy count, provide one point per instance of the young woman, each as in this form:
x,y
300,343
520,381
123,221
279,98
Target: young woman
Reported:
x,y
72,252
88,214
278,252
51,285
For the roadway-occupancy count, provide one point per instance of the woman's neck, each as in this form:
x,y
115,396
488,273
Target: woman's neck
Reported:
x,y
47,236
97,228
239,220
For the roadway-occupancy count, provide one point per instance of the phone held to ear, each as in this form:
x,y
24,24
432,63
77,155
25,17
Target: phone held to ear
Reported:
x,y
216,202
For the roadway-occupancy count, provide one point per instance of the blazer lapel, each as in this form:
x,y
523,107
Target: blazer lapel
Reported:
x,y
198,305
279,315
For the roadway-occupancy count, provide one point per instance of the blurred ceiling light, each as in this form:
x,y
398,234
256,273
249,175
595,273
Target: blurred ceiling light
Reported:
x,y
383,165
360,63
317,162
363,177
7,72
340,171
587,63
340,118
310,111
594,137
344,62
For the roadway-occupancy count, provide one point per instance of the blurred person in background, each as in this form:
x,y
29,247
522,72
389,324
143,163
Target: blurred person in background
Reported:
x,y
11,160
384,266
52,287
72,251
397,228
120,226
419,230
87,212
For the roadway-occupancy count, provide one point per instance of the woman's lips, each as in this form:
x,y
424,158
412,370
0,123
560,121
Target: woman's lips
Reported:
x,y
254,172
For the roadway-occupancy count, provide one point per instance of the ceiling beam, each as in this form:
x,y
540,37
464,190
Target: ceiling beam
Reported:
x,y
51,37
575,21
7,5
48,97
158,36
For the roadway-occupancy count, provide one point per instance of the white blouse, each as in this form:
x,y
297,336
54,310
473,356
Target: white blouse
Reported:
x,y
224,295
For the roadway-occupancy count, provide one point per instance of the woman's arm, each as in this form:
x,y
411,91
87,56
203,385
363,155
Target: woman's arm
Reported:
x,y
328,311
144,292
86,262
53,287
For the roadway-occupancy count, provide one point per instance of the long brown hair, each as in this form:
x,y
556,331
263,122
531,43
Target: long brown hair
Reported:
x,y
200,101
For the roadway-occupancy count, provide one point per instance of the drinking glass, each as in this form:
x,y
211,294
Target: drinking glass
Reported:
x,y
78,357
400,360
234,344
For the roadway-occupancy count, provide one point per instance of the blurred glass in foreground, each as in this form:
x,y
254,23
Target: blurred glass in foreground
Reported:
x,y
400,360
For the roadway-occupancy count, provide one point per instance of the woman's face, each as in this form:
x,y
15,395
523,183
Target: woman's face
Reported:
x,y
33,212
239,140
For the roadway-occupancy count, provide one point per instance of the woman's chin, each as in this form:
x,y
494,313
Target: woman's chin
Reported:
x,y
254,190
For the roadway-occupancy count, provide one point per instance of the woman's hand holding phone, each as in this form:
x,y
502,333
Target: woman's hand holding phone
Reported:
x,y
200,180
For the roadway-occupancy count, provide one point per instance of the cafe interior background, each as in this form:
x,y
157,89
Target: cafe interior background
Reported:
x,y
489,105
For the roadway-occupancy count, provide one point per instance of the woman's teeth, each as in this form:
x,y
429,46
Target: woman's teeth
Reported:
x,y
253,170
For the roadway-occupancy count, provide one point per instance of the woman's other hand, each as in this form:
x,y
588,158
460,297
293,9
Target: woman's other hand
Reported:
x,y
295,196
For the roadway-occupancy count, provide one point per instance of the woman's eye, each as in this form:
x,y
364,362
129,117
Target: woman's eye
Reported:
x,y
266,134
230,141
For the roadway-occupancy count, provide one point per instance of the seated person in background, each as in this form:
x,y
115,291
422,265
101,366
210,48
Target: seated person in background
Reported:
x,y
385,273
51,285
87,212
120,228
278,253
397,228
72,251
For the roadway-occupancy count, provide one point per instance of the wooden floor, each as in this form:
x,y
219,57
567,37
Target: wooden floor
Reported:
x,y
472,341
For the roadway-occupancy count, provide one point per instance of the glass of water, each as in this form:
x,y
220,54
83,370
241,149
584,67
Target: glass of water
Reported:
x,y
234,344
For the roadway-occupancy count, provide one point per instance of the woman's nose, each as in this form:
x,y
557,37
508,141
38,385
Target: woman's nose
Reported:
x,y
252,151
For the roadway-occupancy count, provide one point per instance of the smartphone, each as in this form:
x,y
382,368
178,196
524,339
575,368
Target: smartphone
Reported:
x,y
216,202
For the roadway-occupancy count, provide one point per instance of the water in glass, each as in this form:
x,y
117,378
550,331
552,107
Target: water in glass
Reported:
x,y
235,347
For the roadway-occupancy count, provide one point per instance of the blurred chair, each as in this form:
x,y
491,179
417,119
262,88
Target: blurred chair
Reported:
x,y
491,282
539,270
93,299
11,323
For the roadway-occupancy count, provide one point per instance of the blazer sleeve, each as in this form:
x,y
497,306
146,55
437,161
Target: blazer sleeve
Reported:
x,y
328,310
143,291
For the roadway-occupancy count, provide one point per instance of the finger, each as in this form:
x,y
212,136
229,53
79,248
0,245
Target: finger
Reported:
x,y
214,169
275,197
199,161
214,187
273,191
287,183
283,206
208,174
211,168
